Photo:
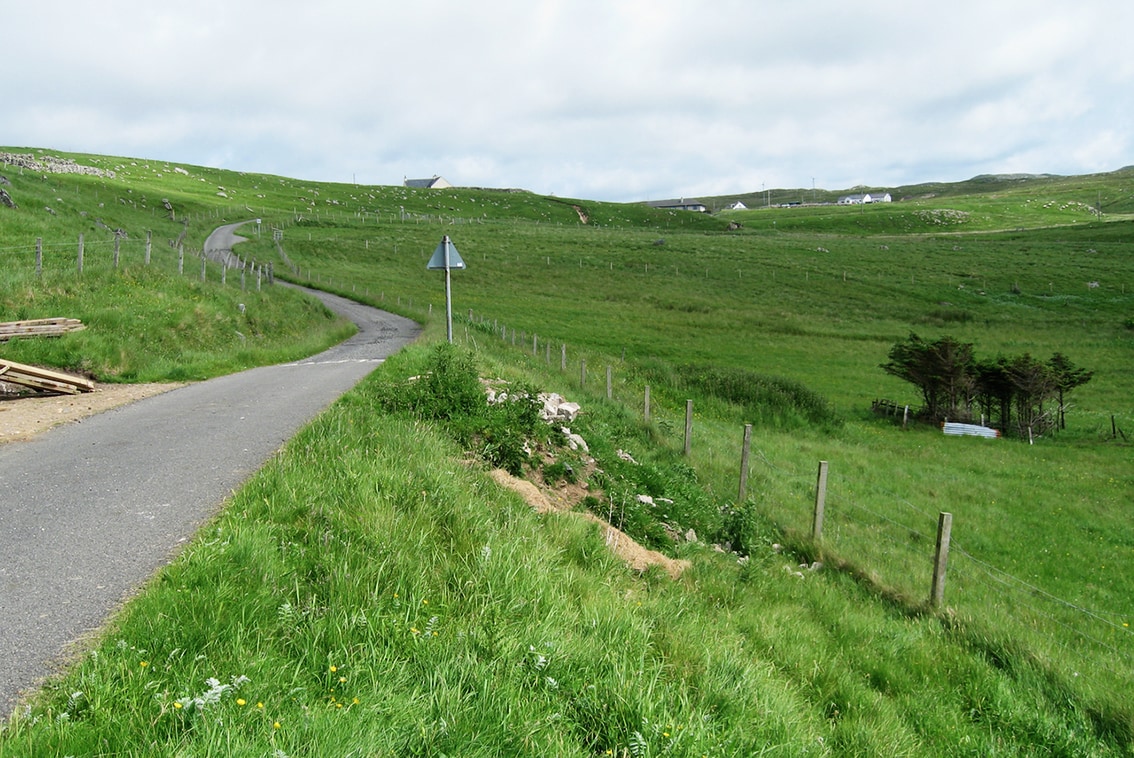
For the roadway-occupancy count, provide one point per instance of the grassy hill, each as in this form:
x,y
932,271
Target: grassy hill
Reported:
x,y
381,597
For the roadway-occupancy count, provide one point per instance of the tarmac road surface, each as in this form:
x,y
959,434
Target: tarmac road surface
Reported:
x,y
89,511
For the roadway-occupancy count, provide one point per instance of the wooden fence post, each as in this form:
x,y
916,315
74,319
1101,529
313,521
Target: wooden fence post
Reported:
x,y
149,244
609,386
117,247
180,259
582,372
941,558
688,426
203,264
80,252
744,447
820,502
563,357
535,345
646,409
39,257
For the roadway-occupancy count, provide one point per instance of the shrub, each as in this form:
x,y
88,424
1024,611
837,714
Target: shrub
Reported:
x,y
767,400
449,391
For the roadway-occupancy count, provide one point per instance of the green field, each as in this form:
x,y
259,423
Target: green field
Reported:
x,y
746,653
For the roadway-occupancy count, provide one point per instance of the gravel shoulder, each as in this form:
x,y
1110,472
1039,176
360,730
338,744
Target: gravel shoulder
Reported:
x,y
23,417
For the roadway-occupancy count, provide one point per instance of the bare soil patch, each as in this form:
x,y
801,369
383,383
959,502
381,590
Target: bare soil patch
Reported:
x,y
563,500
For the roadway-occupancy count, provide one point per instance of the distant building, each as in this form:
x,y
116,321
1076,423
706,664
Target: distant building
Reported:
x,y
863,199
435,183
737,206
679,205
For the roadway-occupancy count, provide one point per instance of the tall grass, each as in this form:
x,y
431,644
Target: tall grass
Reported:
x,y
533,640
367,593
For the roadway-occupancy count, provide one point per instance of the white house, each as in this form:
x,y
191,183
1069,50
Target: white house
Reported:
x,y
737,206
863,199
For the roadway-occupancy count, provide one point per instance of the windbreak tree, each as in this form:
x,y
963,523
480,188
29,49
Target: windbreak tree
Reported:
x,y
1033,384
994,392
1015,394
1067,377
944,371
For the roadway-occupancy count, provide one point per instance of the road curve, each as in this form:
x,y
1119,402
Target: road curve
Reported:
x,y
218,246
91,510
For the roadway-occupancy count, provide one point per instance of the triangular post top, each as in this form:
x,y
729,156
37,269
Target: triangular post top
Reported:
x,y
445,256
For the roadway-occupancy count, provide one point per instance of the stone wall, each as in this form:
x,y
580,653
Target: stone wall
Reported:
x,y
50,164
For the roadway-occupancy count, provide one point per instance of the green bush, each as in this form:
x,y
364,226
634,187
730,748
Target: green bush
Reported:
x,y
746,528
767,400
448,390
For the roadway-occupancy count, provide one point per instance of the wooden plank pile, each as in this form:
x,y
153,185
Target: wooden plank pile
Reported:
x,y
43,379
33,376
39,327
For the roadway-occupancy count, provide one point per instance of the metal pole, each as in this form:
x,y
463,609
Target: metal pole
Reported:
x,y
448,294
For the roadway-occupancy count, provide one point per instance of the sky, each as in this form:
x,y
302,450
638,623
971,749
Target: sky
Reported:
x,y
619,100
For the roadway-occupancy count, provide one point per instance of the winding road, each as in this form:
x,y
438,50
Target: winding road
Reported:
x,y
89,511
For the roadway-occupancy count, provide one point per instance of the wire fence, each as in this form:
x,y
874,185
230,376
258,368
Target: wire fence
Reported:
x,y
889,538
891,541
51,260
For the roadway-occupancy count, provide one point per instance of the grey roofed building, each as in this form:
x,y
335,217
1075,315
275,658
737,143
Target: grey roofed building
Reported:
x,y
679,205
434,183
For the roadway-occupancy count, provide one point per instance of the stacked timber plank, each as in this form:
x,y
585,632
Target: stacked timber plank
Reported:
x,y
43,379
40,327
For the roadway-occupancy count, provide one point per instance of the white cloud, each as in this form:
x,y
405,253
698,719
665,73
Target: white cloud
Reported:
x,y
610,100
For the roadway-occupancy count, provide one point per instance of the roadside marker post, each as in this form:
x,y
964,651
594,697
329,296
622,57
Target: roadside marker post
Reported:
x,y
445,258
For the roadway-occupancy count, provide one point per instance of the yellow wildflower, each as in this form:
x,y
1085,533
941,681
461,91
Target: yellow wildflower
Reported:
x,y
241,701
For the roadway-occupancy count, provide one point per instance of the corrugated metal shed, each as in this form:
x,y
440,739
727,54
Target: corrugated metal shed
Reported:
x,y
969,430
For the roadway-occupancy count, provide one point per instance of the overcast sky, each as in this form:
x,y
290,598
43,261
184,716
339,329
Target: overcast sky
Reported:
x,y
598,99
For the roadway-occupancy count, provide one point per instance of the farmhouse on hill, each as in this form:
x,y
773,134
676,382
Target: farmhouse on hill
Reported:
x,y
864,198
435,183
679,205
